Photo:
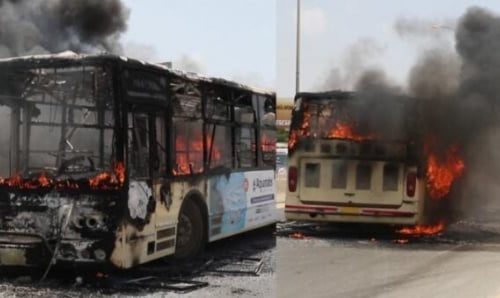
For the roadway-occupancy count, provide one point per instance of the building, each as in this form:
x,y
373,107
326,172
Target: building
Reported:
x,y
284,113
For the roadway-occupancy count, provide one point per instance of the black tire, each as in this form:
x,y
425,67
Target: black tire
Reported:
x,y
190,231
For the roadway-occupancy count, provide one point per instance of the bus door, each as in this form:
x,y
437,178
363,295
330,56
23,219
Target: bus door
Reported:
x,y
148,197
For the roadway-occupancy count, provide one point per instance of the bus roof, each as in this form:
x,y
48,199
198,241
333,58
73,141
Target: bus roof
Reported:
x,y
69,57
334,94
340,95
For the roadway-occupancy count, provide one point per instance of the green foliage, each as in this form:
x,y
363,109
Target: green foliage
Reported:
x,y
282,135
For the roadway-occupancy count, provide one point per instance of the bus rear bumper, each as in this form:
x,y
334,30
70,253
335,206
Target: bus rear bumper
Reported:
x,y
351,214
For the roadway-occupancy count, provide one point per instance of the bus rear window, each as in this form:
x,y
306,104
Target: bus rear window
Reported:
x,y
363,176
312,174
391,177
339,175
347,119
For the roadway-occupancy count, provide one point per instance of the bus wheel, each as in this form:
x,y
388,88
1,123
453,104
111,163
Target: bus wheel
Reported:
x,y
189,231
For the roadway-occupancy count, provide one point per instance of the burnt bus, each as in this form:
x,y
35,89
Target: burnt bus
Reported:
x,y
340,171
109,160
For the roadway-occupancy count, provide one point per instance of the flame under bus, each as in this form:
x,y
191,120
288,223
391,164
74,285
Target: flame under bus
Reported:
x,y
116,161
342,170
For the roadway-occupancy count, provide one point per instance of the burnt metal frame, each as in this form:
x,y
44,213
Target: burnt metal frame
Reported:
x,y
171,140
203,86
117,65
21,105
208,123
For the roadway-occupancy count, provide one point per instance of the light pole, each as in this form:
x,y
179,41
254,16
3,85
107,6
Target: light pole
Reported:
x,y
297,51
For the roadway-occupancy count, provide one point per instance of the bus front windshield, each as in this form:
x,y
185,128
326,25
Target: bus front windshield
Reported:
x,y
64,118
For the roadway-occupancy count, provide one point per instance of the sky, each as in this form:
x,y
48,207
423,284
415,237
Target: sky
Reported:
x,y
334,31
224,38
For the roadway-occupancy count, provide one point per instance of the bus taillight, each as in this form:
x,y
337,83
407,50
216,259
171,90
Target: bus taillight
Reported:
x,y
411,184
292,179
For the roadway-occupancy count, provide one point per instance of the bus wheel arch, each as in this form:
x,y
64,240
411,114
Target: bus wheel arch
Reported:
x,y
192,226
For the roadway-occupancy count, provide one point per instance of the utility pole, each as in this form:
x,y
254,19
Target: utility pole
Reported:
x,y
297,51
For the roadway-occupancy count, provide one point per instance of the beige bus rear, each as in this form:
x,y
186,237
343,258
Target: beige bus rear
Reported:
x,y
338,177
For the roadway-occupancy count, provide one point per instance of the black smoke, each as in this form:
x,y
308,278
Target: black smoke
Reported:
x,y
49,26
455,100
29,27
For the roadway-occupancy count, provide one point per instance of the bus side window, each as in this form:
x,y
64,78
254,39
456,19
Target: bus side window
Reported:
x,y
218,128
187,132
219,151
245,147
138,145
245,117
188,147
268,132
268,146
160,162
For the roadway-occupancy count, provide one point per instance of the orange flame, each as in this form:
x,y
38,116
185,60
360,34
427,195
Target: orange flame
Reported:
x,y
298,235
302,131
420,230
306,122
16,181
44,181
107,180
292,139
442,173
345,131
339,131
189,159
102,181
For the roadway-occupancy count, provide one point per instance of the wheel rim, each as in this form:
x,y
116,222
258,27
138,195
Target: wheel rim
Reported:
x,y
185,230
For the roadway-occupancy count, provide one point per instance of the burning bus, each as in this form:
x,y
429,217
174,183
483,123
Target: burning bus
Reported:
x,y
344,167
109,160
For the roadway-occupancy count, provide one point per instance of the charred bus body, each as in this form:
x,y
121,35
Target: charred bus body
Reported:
x,y
345,169
109,160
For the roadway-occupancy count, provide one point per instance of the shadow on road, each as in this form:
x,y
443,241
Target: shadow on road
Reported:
x,y
469,235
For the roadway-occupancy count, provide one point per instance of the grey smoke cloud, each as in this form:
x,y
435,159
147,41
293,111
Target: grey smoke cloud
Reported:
x,y
455,99
189,63
453,95
358,58
407,27
141,51
38,27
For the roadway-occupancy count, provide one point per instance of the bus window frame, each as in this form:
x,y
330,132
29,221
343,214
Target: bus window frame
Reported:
x,y
257,99
152,107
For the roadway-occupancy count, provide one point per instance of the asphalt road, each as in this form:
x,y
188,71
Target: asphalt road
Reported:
x,y
333,261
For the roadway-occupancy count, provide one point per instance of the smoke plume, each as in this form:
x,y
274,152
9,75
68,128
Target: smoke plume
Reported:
x,y
357,59
30,27
417,28
454,99
375,93
189,63
38,27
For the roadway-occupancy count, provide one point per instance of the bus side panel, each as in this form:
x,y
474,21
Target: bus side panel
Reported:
x,y
240,201
157,238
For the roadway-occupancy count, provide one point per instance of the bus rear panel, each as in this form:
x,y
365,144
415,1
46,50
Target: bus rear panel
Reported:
x,y
339,173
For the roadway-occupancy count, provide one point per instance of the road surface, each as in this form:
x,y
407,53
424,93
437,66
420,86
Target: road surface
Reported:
x,y
332,261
